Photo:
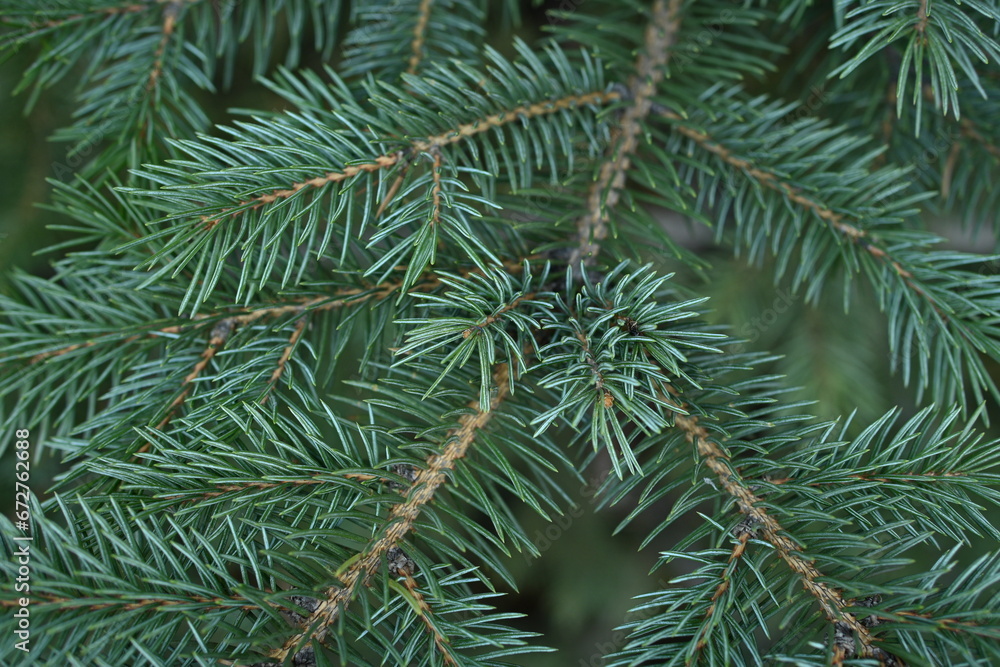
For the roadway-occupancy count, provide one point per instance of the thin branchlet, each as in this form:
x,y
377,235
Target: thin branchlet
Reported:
x,y
401,519
170,12
419,36
837,221
220,333
125,602
498,315
401,565
592,227
430,144
743,535
286,354
768,528
342,298
223,489
97,12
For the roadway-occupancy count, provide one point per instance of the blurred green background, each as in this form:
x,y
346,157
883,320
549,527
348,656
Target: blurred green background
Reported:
x,y
579,590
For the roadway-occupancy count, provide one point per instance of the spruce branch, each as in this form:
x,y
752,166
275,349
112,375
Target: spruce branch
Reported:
x,y
942,42
400,521
220,332
916,284
661,34
770,180
300,326
341,298
432,145
831,600
425,612
308,369
170,12
614,346
419,35
196,213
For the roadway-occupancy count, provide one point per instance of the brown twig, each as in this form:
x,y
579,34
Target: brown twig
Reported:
x,y
425,613
222,489
454,135
419,34
892,477
921,25
140,603
58,23
300,326
170,12
401,519
830,599
739,549
220,333
476,328
661,34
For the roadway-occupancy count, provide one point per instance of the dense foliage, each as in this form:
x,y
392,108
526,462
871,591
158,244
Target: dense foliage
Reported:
x,y
304,366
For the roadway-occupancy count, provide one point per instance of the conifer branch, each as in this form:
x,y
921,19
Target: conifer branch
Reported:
x,y
52,24
220,333
921,25
401,518
860,237
773,182
300,326
436,189
426,614
133,603
170,13
830,600
238,260
222,489
438,141
343,298
419,34
743,536
661,35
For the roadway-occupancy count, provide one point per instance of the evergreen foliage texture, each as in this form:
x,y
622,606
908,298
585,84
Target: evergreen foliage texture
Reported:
x,y
304,366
